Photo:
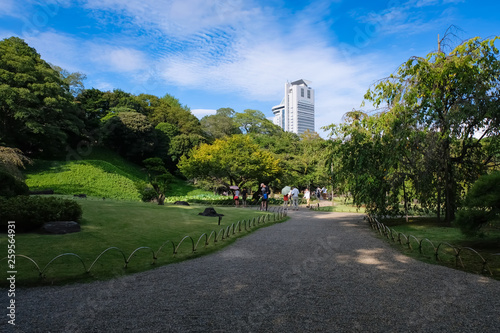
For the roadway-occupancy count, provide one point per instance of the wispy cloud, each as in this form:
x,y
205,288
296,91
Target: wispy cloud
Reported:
x,y
7,8
59,48
407,18
118,59
179,17
200,113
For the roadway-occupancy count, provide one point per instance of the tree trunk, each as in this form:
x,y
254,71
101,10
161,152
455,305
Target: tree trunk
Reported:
x,y
406,200
161,199
449,186
439,201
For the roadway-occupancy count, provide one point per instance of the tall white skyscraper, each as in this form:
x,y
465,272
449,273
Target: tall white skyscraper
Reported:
x,y
296,111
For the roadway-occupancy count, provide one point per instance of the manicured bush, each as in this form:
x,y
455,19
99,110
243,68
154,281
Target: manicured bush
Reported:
x,y
470,220
146,192
30,213
10,186
481,206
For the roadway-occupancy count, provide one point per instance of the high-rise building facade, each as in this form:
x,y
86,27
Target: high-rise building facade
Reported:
x,y
296,111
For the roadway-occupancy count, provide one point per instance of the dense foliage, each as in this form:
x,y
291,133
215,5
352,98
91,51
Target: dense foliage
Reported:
x,y
37,113
482,204
235,160
31,212
435,135
11,178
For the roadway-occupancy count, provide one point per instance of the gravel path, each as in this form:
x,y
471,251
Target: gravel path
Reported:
x,y
317,272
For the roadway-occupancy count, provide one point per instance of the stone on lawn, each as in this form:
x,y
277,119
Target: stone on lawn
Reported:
x,y
60,227
210,212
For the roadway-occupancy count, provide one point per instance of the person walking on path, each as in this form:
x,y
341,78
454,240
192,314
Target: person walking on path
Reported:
x,y
318,193
295,198
285,200
265,196
244,194
307,196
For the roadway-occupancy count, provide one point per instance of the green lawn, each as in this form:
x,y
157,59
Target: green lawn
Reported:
x,y
487,245
126,225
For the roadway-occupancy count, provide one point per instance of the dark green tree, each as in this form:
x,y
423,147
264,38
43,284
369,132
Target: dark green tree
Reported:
x,y
158,176
130,134
121,99
170,110
255,122
220,125
182,144
456,96
481,206
37,113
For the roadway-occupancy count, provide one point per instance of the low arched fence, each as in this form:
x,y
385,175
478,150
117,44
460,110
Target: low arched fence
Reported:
x,y
204,240
442,252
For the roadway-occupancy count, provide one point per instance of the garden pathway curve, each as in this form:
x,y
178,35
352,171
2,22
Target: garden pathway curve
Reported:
x,y
317,272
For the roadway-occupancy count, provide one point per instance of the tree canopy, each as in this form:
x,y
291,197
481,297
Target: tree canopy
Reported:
x,y
234,160
437,130
37,113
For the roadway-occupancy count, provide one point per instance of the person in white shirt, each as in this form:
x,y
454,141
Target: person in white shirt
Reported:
x,y
236,198
307,196
295,198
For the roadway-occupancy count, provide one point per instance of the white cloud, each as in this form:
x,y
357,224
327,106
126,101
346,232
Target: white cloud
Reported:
x,y
179,17
75,54
408,18
119,59
103,85
7,7
200,113
59,49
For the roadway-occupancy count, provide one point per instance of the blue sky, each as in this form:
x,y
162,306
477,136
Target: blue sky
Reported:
x,y
239,53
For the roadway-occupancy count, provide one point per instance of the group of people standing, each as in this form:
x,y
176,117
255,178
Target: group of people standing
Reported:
x,y
321,193
294,196
264,193
236,197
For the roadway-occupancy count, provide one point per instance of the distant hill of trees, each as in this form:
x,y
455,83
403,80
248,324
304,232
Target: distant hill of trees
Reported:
x,y
46,112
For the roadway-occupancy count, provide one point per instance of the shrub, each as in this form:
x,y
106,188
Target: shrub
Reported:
x,y
146,191
471,220
481,206
31,213
11,186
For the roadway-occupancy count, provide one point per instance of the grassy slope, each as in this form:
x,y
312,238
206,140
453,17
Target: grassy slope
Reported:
x,y
126,225
101,174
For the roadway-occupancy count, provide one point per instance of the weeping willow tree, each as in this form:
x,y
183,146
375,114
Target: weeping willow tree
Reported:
x,y
453,98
